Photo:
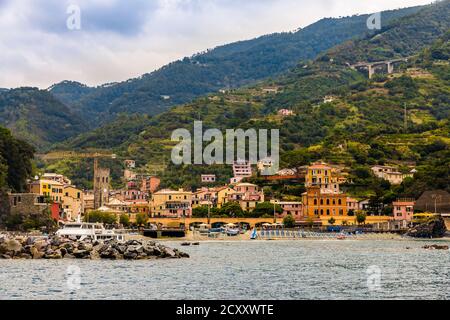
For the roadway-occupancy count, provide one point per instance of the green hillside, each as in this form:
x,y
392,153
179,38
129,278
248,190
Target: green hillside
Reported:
x,y
229,66
364,125
37,117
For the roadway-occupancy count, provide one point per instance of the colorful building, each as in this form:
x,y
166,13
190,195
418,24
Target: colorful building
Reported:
x,y
247,195
51,189
404,209
391,174
323,176
317,203
171,203
208,178
293,208
72,202
150,184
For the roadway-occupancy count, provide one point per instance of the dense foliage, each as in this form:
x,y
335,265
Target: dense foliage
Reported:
x,y
37,117
229,66
15,161
365,124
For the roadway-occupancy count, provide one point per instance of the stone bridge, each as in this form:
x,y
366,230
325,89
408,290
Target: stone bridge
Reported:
x,y
373,66
252,222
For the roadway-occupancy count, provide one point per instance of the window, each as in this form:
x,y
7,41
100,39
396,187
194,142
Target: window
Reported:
x,y
340,201
328,202
315,202
321,201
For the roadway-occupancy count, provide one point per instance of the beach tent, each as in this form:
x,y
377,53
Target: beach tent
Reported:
x,y
230,225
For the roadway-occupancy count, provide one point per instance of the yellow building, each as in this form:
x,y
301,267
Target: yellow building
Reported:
x,y
73,202
69,197
204,197
324,176
171,203
48,188
223,195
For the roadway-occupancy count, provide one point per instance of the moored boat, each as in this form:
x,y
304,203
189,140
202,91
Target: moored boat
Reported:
x,y
83,230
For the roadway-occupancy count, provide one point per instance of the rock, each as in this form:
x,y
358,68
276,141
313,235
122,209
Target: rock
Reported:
x,y
35,253
58,248
81,254
40,245
169,253
433,228
184,255
25,256
130,255
12,246
436,247
50,254
94,255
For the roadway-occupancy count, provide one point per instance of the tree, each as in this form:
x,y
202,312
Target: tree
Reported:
x,y
266,208
289,221
200,212
100,217
15,161
332,221
361,217
141,219
125,220
232,209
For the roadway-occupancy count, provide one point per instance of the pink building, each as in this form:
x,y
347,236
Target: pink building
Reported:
x,y
404,209
352,204
293,208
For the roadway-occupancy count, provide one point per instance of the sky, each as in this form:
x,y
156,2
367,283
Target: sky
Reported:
x,y
43,42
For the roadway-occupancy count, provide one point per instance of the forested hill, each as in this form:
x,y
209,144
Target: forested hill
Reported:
x,y
228,66
36,116
364,125
15,162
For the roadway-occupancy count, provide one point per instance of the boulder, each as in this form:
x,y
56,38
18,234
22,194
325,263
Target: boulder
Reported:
x,y
436,247
58,248
11,246
35,253
433,228
130,255
169,253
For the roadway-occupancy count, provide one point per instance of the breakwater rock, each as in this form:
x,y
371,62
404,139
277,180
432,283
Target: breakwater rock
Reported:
x,y
433,228
62,248
436,247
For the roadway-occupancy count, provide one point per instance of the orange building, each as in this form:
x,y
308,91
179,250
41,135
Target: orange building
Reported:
x,y
317,203
323,196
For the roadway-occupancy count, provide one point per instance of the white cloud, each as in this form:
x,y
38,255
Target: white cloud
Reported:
x,y
121,39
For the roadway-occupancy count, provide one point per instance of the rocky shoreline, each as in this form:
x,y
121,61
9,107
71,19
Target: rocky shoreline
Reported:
x,y
54,247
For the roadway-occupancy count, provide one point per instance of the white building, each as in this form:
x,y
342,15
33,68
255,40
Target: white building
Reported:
x,y
391,174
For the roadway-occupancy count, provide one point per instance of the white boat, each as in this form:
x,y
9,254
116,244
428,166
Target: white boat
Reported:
x,y
94,231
